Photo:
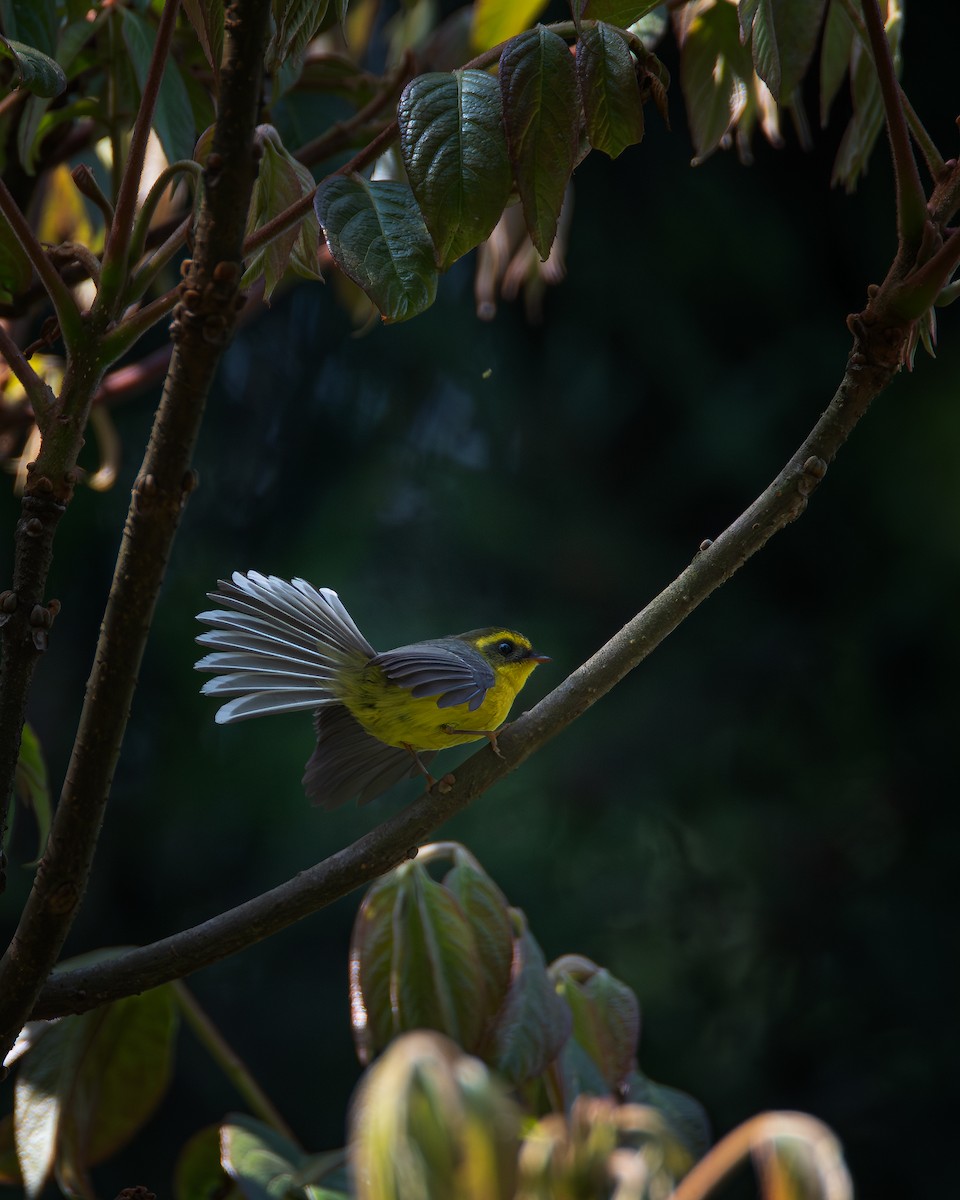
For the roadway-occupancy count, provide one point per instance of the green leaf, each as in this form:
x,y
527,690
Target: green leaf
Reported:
x,y
35,71
377,237
496,20
609,91
89,1084
173,118
715,70
33,23
606,1015
371,956
199,1174
685,1115
541,113
534,1023
785,34
835,53
295,23
488,914
16,270
30,784
455,152
259,1160
9,1166
206,17
617,12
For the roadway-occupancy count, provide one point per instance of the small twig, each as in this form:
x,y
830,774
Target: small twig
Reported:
x,y
39,394
144,276
60,296
116,251
129,331
230,1063
148,208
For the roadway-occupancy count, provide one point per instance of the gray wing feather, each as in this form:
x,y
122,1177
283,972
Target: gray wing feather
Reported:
x,y
279,645
349,763
453,674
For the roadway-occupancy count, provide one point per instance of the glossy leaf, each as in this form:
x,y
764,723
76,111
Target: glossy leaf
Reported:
x,y
534,1023
606,1015
455,153
609,91
30,784
206,17
784,36
377,237
295,23
89,1084
714,72
617,12
496,20
35,71
173,117
541,113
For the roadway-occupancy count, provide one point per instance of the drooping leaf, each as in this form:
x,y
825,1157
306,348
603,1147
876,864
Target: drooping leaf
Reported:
x,y
714,71
487,912
606,1016
617,12
838,34
198,1174
295,23
173,118
541,113
206,17
609,91
89,1084
455,152
16,270
685,1115
35,71
377,237
496,20
33,23
261,1162
784,36
30,785
534,1023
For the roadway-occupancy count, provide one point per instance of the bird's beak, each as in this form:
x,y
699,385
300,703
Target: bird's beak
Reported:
x,y
539,658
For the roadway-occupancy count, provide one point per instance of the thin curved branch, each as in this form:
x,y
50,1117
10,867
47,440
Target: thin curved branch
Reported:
x,y
872,364
200,331
38,393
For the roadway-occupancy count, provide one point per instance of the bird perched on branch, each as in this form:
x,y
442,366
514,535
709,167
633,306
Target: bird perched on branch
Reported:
x,y
280,646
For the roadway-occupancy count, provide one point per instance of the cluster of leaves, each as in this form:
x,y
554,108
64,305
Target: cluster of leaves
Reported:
x,y
452,957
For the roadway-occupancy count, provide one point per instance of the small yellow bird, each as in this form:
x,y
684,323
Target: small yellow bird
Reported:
x,y
283,646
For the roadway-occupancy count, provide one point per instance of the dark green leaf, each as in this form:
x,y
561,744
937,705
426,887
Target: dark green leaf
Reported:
x,y
16,270
295,23
609,91
785,34
35,71
90,1083
206,17
455,152
32,22
534,1023
485,908
714,73
685,1116
541,113
579,1074
173,118
835,53
617,12
30,782
377,237
606,1015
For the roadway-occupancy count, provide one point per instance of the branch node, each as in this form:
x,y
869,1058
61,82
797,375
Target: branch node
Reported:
x,y
706,544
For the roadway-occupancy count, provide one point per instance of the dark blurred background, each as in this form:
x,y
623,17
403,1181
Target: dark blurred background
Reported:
x,y
757,829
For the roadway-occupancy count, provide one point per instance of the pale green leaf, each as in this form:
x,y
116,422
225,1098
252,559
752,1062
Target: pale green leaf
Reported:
x,y
496,20
617,12
30,782
715,69
785,34
455,153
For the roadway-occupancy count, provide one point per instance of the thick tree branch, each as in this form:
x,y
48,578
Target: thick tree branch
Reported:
x,y
872,364
200,330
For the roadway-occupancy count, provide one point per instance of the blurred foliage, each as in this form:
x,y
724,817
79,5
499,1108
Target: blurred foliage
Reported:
x,y
755,832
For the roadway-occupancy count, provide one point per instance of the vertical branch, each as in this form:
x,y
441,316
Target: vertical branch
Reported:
x,y
911,201
201,326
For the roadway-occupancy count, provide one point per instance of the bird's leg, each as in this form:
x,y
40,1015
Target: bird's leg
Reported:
x,y
445,783
489,734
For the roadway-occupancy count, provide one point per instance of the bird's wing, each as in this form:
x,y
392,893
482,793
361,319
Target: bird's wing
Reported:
x,y
451,671
278,646
348,762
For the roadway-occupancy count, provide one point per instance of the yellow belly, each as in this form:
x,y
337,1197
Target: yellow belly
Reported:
x,y
393,716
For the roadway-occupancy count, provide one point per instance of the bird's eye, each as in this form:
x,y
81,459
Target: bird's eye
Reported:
x,y
505,648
